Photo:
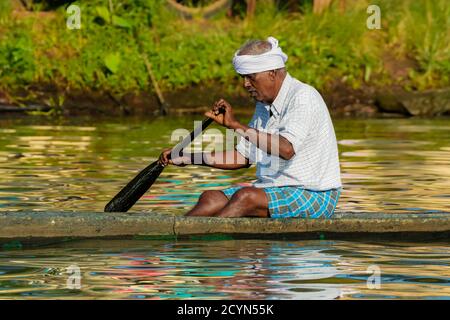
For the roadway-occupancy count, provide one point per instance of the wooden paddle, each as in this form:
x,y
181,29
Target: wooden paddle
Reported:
x,y
134,190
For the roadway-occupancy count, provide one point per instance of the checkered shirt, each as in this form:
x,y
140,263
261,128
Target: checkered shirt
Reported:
x,y
300,115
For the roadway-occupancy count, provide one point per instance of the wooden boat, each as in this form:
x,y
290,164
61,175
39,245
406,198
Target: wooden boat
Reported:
x,y
35,227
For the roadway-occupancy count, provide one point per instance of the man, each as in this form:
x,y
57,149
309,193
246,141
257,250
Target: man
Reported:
x,y
290,138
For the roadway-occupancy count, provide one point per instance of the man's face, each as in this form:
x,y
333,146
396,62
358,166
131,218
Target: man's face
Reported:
x,y
260,85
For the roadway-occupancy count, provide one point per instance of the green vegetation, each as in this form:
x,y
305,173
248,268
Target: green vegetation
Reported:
x,y
426,33
36,47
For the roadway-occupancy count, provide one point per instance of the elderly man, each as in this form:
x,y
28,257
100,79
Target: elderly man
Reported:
x,y
290,138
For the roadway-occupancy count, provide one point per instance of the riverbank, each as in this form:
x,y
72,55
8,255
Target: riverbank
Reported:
x,y
341,100
100,68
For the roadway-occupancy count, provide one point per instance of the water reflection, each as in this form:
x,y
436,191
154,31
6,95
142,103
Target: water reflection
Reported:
x,y
387,165
78,165
244,269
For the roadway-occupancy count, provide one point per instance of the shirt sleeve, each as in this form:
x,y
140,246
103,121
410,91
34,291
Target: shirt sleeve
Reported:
x,y
298,120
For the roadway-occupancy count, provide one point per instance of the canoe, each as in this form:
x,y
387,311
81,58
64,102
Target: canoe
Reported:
x,y
34,227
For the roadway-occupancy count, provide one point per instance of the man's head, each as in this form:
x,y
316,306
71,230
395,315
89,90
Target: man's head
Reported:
x,y
261,64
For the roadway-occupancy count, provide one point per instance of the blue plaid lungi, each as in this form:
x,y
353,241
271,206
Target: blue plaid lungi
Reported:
x,y
296,202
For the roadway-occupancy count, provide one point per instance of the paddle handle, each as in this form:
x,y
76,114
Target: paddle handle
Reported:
x,y
134,190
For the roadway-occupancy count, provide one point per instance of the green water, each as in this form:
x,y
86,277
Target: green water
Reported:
x,y
394,165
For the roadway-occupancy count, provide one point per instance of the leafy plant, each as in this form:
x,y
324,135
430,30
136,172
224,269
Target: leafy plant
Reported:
x,y
106,53
112,62
16,57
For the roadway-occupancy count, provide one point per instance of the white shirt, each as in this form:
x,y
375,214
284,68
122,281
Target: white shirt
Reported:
x,y
301,116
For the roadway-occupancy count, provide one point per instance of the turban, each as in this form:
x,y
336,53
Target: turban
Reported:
x,y
271,60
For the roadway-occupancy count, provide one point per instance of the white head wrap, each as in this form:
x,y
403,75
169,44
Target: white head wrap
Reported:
x,y
271,60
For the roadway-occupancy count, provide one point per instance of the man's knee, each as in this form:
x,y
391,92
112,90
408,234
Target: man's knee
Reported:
x,y
212,197
248,196
209,203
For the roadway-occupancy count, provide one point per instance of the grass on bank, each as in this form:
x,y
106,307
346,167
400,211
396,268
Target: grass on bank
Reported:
x,y
106,53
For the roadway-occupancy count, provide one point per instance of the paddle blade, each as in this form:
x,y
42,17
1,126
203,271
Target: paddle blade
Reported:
x,y
134,190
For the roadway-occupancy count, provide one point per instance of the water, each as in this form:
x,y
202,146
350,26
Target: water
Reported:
x,y
395,165
232,269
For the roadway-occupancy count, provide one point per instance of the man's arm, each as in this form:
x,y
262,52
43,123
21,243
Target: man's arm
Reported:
x,y
273,144
228,160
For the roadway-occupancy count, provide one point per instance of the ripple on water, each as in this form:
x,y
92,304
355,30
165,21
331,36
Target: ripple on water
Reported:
x,y
238,269
397,166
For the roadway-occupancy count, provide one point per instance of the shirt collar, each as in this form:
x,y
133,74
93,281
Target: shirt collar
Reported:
x,y
279,102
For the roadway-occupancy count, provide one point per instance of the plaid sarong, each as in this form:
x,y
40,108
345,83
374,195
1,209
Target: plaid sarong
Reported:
x,y
292,202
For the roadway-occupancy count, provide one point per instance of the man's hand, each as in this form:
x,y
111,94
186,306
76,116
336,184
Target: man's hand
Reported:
x,y
165,159
222,113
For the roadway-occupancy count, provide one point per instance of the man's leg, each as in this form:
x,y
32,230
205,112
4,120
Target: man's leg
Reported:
x,y
209,203
246,202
